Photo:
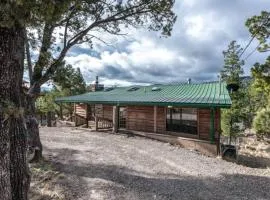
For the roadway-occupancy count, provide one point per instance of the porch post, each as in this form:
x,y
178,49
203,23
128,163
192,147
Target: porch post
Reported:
x,y
87,115
96,121
155,119
212,125
115,118
75,118
61,111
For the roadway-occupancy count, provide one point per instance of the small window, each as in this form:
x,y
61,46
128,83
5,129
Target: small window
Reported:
x,y
133,89
182,120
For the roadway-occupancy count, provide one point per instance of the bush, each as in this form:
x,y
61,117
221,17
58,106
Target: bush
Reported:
x,y
261,123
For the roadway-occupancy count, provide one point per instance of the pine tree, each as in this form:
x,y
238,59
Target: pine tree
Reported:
x,y
230,73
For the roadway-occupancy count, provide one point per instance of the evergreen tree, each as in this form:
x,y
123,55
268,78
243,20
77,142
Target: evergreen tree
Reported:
x,y
69,79
259,27
230,73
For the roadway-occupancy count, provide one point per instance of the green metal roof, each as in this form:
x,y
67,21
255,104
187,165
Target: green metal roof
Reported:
x,y
212,94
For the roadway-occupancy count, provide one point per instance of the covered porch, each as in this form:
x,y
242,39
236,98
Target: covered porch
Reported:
x,y
186,114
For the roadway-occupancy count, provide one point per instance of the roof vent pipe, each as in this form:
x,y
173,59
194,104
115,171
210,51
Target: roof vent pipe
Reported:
x,y
189,80
219,79
96,80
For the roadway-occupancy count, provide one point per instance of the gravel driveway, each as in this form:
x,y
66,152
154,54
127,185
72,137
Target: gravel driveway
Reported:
x,y
100,165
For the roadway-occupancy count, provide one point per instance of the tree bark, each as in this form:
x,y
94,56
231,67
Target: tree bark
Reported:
x,y
49,119
14,172
32,128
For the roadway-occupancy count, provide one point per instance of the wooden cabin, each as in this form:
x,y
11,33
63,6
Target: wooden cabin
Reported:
x,y
184,114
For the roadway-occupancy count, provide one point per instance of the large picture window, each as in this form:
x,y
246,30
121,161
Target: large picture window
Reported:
x,y
182,120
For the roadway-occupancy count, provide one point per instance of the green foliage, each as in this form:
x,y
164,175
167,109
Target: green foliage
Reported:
x,y
230,73
45,103
70,79
259,91
232,68
261,74
73,22
262,122
67,81
228,123
259,27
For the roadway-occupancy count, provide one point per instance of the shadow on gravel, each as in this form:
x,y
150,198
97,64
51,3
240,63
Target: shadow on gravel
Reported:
x,y
95,181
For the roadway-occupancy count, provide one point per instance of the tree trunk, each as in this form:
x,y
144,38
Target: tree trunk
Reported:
x,y
14,172
32,128
49,119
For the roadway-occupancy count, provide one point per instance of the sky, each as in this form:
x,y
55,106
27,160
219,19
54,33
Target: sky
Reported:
x,y
202,31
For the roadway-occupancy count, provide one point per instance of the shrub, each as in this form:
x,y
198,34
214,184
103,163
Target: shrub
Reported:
x,y
261,123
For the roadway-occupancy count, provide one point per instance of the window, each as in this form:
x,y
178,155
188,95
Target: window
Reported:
x,y
182,120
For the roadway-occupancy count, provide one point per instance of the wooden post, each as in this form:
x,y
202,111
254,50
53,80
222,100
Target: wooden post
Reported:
x,y
96,123
212,125
61,112
75,119
219,132
87,115
155,119
115,118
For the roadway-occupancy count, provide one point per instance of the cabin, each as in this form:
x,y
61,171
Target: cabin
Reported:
x,y
186,114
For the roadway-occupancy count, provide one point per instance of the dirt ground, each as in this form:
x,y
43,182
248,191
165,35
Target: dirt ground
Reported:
x,y
97,165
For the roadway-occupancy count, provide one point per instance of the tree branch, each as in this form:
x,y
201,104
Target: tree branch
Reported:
x,y
28,57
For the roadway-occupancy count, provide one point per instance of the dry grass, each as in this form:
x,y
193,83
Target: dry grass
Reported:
x,y
46,182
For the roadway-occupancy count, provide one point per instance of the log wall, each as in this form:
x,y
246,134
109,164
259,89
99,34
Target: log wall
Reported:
x,y
80,110
141,118
204,121
108,112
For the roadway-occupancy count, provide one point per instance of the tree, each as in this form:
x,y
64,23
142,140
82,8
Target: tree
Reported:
x,y
232,69
66,81
262,122
79,20
45,103
230,73
259,27
261,92
82,21
14,172
70,79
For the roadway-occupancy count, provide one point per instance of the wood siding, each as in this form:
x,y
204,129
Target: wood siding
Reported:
x,y
80,110
108,112
141,118
161,119
204,118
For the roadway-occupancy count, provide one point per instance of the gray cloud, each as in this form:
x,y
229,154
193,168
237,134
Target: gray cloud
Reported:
x,y
202,32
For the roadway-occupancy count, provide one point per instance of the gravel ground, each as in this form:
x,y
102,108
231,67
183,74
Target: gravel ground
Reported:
x,y
100,165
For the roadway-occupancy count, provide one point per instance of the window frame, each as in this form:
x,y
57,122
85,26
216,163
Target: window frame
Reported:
x,y
180,131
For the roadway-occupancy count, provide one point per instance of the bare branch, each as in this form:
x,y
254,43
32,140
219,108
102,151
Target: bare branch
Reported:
x,y
28,57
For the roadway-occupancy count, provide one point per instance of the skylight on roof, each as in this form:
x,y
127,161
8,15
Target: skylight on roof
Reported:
x,y
133,89
108,89
156,89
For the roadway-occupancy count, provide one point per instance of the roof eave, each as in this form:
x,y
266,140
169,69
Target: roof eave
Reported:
x,y
197,105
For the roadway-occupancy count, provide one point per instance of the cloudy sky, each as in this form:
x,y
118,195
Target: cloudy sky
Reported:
x,y
203,30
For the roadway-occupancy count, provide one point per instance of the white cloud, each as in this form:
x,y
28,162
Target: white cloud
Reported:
x,y
202,32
